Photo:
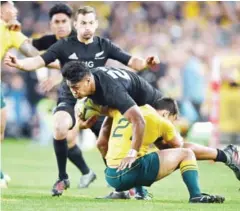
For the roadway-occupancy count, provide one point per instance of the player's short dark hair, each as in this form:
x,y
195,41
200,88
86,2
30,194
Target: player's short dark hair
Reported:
x,y
75,71
168,104
85,10
60,8
4,2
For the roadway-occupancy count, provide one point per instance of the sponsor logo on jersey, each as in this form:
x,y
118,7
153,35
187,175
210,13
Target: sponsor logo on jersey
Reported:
x,y
89,64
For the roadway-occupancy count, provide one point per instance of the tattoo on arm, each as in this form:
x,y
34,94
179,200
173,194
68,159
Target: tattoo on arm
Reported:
x,y
28,49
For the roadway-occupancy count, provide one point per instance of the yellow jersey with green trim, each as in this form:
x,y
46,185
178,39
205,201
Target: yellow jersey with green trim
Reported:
x,y
121,134
10,39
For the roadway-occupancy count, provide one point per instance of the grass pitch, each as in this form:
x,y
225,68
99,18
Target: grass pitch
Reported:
x,y
33,171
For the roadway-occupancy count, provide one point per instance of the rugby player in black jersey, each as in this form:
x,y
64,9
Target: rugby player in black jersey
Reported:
x,y
61,25
93,51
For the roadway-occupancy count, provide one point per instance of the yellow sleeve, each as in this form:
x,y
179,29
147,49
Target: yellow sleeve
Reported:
x,y
112,112
17,39
167,129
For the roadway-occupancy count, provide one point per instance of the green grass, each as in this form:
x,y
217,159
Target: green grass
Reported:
x,y
33,171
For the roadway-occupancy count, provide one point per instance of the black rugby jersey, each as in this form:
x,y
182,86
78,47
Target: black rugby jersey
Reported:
x,y
122,89
94,54
44,42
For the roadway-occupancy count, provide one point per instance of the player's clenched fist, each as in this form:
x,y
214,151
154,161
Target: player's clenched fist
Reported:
x,y
14,25
12,61
85,124
152,60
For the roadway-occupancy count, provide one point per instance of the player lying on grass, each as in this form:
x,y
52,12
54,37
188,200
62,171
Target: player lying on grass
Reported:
x,y
229,156
145,169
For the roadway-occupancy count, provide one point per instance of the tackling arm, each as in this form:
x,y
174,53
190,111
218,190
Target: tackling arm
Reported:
x,y
102,142
135,116
30,51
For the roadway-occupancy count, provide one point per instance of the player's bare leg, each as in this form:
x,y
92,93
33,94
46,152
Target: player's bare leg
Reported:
x,y
171,159
230,155
62,122
76,157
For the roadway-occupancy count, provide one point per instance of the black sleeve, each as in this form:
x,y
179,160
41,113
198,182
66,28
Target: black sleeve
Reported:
x,y
53,53
116,53
119,99
41,43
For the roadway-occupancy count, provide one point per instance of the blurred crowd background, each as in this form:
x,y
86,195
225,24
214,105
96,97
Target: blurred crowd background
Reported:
x,y
187,36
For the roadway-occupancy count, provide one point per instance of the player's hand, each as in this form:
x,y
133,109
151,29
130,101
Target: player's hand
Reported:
x,y
14,25
126,163
152,61
12,61
47,84
85,124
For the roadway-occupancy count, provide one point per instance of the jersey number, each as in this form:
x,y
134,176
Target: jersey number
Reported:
x,y
117,74
122,123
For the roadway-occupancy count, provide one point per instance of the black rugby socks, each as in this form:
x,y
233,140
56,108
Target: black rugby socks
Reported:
x,y
61,152
75,156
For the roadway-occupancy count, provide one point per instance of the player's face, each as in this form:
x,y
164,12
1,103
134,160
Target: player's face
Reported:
x,y
166,114
80,89
86,25
9,12
61,25
172,118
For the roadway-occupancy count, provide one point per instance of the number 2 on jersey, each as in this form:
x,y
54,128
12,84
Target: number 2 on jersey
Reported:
x,y
117,74
122,124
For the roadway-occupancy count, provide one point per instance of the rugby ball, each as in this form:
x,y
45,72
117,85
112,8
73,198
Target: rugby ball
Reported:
x,y
86,109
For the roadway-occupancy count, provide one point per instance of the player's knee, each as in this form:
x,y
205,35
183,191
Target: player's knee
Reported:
x,y
62,123
60,131
188,153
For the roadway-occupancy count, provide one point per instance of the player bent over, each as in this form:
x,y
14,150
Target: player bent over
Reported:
x,y
144,169
230,155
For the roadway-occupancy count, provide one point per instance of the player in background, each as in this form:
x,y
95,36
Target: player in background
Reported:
x,y
91,50
61,25
149,168
12,37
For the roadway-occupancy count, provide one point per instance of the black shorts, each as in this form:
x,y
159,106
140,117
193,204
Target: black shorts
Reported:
x,y
67,104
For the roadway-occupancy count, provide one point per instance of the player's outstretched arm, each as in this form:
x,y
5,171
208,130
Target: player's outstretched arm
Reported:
x,y
138,63
30,51
27,64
